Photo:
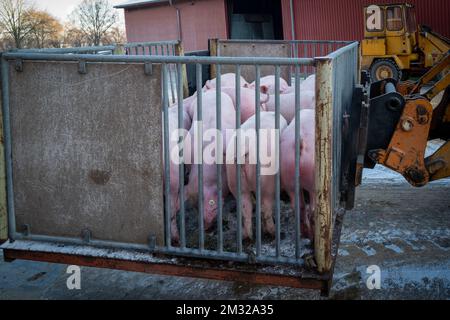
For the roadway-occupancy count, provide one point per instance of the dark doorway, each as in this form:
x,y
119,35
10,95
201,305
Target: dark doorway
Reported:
x,y
255,19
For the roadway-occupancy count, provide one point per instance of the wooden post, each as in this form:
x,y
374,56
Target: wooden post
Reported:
x,y
323,215
3,203
179,51
213,51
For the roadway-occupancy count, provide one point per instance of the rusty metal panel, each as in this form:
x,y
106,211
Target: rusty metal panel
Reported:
x,y
85,150
3,205
323,164
248,48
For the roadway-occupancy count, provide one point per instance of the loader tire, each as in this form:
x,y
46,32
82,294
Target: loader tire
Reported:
x,y
383,69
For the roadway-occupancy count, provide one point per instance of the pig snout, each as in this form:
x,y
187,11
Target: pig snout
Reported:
x,y
210,213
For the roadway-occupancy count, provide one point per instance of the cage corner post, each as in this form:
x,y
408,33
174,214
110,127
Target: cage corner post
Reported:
x,y
323,215
179,51
213,52
3,204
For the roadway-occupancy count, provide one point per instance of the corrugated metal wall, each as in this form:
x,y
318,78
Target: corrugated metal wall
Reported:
x,y
200,21
314,20
343,19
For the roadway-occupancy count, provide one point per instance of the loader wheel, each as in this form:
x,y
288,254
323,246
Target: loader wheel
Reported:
x,y
383,69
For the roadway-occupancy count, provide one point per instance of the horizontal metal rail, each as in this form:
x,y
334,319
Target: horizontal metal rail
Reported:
x,y
181,252
66,50
339,52
283,41
159,59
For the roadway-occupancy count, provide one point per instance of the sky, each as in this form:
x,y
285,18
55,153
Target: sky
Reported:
x,y
62,8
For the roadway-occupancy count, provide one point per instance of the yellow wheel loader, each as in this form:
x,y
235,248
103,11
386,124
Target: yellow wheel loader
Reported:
x,y
394,46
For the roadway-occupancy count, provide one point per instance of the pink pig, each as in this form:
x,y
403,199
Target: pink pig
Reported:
x,y
248,173
287,103
187,105
267,85
227,80
247,101
174,166
307,149
309,84
210,194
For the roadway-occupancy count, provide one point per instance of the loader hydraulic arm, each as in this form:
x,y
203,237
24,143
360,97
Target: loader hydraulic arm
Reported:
x,y
402,120
432,45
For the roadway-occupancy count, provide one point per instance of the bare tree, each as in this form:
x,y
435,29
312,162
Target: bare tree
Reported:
x,y
73,36
95,18
114,36
46,30
14,20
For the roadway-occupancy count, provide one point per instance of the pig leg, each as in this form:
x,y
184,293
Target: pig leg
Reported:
x,y
247,213
174,202
267,215
292,198
310,215
305,214
246,200
174,207
307,218
174,231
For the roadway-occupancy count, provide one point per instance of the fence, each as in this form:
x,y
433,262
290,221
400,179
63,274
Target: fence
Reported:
x,y
162,48
276,48
123,170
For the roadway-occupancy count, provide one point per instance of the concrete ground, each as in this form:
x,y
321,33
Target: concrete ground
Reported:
x,y
403,230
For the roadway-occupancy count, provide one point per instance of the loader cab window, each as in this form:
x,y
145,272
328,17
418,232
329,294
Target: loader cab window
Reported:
x,y
411,20
394,18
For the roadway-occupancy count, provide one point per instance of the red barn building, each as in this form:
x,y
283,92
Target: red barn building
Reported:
x,y
196,21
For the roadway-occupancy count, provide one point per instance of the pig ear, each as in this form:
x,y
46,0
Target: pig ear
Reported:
x,y
264,89
208,84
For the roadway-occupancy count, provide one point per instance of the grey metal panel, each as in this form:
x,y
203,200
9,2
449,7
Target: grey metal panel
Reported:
x,y
254,49
345,77
336,78
86,150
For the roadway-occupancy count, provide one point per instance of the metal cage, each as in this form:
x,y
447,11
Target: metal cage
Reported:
x,y
147,78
